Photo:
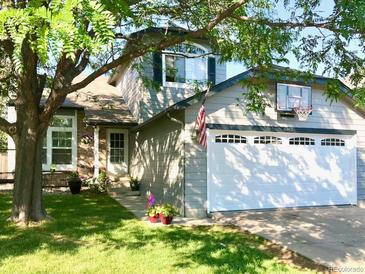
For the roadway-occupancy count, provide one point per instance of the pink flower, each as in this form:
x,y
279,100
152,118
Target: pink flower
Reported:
x,y
151,200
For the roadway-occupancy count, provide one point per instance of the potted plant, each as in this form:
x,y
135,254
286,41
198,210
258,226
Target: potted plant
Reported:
x,y
167,213
152,214
74,182
134,184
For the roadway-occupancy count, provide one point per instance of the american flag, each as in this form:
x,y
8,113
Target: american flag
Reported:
x,y
202,130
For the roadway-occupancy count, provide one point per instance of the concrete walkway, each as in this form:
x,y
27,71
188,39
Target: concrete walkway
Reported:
x,y
137,205
331,236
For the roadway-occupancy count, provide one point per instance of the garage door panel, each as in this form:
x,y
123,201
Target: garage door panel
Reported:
x,y
254,176
263,200
290,188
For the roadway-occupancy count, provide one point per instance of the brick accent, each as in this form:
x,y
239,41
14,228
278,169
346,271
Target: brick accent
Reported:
x,y
102,148
85,152
56,179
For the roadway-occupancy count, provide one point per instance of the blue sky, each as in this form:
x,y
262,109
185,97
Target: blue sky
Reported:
x,y
281,12
324,9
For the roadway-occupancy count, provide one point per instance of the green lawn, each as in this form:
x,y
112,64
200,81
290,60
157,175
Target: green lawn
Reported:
x,y
93,234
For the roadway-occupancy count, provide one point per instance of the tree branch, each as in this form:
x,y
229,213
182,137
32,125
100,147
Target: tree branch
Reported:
x,y
7,127
329,25
58,95
164,43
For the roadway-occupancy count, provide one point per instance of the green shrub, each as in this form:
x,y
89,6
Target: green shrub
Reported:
x,y
74,177
99,184
134,183
168,210
152,211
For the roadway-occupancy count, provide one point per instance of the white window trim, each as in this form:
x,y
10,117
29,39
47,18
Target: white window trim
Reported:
x,y
62,167
292,85
177,84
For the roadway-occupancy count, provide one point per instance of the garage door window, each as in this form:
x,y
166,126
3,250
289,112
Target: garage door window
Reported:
x,y
229,138
267,140
333,142
301,141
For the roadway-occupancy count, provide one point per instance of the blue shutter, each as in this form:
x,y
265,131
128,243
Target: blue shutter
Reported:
x,y
157,67
211,70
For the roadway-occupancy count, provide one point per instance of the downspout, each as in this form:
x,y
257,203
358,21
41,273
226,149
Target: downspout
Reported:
x,y
183,158
96,152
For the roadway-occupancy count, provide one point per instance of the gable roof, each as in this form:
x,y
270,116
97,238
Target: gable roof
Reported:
x,y
316,79
102,103
271,75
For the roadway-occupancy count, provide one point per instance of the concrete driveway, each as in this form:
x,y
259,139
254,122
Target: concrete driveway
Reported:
x,y
331,236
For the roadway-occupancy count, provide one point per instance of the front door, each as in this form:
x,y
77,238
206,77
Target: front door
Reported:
x,y
117,140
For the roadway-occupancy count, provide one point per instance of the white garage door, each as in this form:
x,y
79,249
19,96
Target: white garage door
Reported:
x,y
254,170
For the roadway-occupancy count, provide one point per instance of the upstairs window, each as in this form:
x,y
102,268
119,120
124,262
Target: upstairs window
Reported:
x,y
292,96
267,140
184,64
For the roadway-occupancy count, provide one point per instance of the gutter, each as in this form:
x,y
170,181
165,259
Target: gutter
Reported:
x,y
159,115
110,123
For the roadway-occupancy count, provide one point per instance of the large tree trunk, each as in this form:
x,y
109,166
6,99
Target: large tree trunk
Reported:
x,y
27,194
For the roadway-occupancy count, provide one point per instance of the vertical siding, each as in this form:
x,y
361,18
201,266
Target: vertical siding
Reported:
x,y
156,159
222,108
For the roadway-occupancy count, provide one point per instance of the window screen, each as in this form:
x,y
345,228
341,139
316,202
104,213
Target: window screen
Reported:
x,y
61,147
175,68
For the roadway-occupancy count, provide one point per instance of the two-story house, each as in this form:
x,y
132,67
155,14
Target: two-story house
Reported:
x,y
127,126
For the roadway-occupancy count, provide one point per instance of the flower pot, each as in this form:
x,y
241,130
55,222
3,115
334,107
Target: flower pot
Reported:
x,y
153,219
75,186
166,220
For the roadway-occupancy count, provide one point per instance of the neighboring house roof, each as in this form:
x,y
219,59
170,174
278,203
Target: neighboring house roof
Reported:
x,y
316,79
102,103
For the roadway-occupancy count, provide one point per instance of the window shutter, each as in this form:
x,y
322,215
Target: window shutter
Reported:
x,y
211,70
157,67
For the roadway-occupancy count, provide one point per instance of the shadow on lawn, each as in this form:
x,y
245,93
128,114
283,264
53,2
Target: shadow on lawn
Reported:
x,y
93,219
75,217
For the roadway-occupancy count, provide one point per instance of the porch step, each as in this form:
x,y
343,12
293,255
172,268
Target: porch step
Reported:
x,y
122,186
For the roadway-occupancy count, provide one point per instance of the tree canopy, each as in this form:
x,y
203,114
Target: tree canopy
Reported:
x,y
69,35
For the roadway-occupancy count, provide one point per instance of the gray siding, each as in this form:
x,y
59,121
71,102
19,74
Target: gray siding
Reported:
x,y
156,159
220,71
221,108
144,102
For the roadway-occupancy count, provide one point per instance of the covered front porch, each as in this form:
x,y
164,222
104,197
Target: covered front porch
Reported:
x,y
88,134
